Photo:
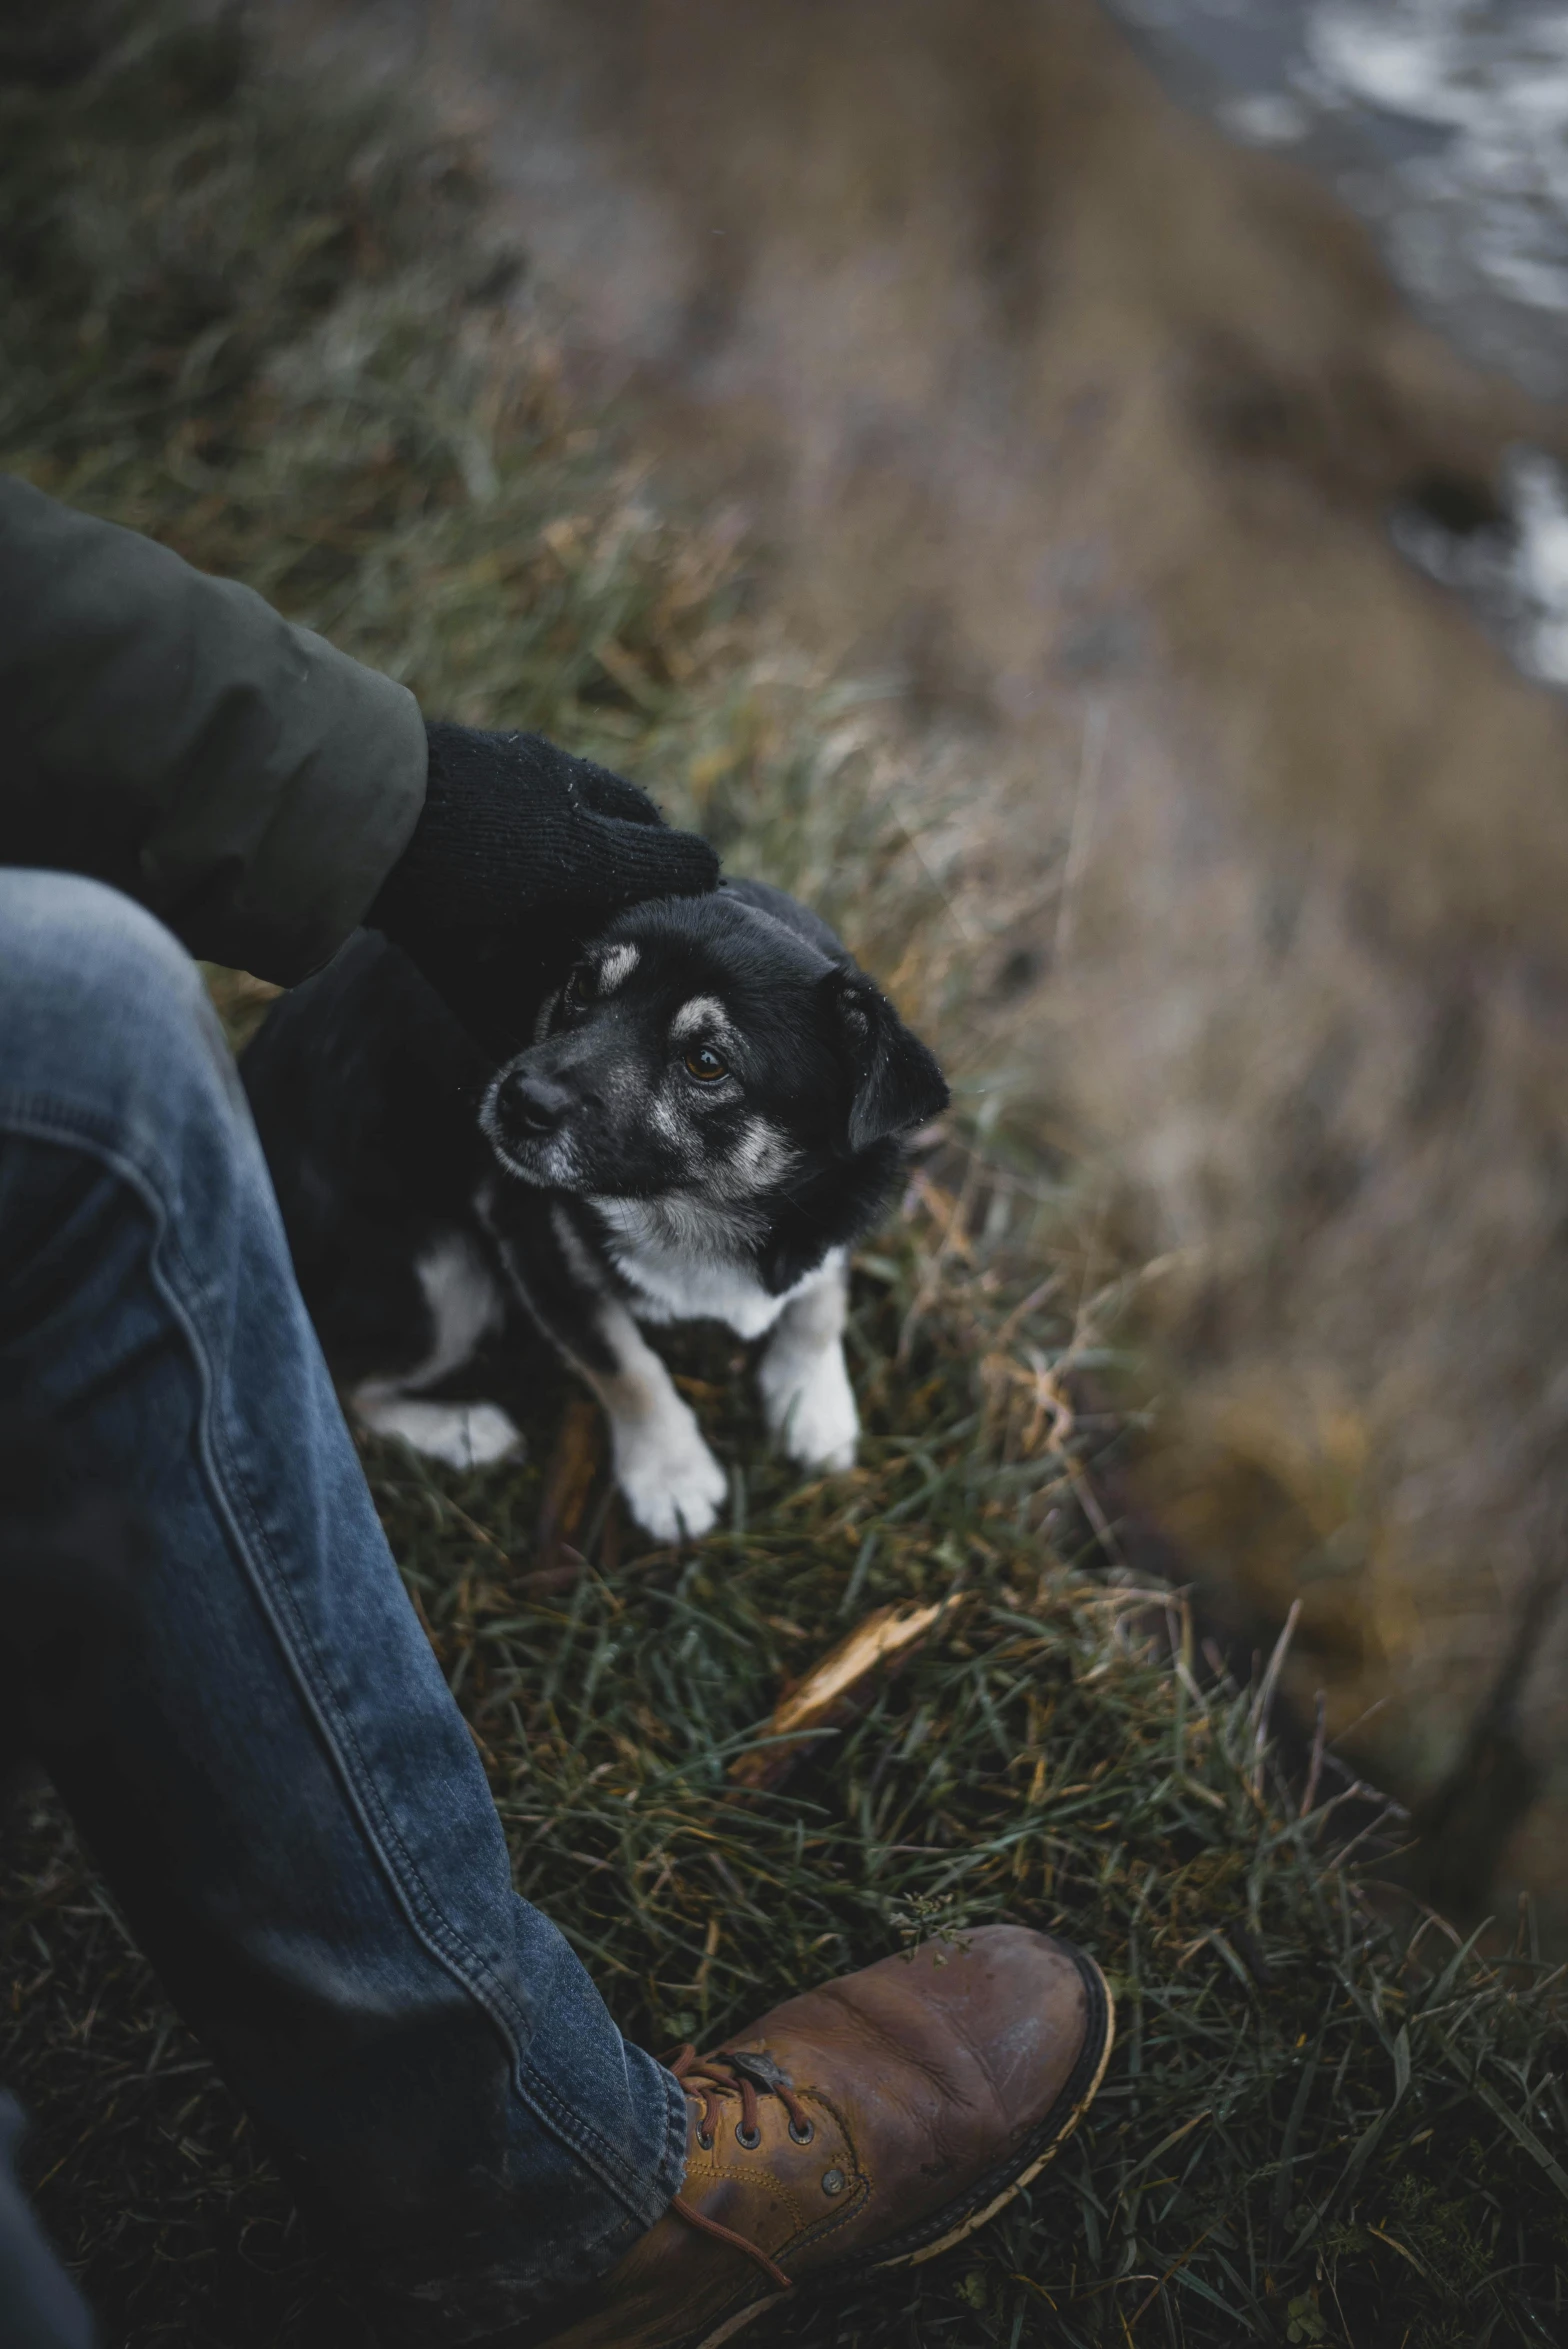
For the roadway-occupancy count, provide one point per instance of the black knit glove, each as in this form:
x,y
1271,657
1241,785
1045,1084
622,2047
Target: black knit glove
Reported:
x,y
521,853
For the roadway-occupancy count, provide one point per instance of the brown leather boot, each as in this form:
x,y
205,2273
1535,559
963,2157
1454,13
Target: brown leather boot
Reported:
x,y
867,2124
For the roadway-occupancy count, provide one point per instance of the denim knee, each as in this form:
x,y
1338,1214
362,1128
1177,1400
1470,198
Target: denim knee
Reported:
x,y
107,1035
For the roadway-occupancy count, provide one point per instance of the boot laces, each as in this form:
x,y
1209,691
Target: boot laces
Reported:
x,y
711,2081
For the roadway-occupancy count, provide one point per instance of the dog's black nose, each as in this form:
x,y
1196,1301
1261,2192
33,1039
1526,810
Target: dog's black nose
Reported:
x,y
531,1104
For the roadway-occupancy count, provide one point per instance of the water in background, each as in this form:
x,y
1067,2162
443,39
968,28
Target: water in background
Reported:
x,y
1444,123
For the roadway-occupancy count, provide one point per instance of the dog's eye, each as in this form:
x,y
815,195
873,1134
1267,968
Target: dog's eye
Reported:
x,y
575,993
705,1065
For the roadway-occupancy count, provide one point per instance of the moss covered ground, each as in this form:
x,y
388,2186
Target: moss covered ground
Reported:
x,y
270,323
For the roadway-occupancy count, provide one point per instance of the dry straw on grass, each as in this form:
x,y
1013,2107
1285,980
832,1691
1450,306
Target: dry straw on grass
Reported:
x,y
264,323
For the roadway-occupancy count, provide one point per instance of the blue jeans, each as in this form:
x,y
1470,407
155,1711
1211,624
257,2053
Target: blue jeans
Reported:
x,y
282,1793
40,2308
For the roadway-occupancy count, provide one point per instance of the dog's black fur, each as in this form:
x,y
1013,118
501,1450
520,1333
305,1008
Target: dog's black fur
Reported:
x,y
710,1115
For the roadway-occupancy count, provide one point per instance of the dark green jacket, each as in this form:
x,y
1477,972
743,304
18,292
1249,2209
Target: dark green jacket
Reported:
x,y
169,733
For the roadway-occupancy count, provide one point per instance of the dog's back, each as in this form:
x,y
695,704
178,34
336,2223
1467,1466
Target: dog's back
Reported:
x,y
366,1092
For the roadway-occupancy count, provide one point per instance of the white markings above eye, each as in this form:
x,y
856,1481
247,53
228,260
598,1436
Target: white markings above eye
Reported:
x,y
616,968
703,1011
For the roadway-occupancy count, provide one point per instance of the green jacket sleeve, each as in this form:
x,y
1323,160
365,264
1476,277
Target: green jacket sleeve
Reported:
x,y
171,734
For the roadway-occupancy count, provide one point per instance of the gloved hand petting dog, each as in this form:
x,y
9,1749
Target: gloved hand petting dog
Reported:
x,y
710,1115
521,852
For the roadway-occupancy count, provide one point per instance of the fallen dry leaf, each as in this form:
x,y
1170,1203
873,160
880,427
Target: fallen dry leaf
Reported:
x,y
830,1689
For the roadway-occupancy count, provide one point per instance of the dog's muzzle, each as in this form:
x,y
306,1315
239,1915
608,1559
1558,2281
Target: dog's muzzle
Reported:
x,y
528,1107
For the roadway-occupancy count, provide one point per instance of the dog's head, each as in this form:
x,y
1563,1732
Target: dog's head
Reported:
x,y
707,1046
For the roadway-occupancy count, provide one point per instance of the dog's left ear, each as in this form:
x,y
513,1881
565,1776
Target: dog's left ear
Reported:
x,y
897,1081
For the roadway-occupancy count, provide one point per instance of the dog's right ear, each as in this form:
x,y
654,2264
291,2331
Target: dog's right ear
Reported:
x,y
897,1084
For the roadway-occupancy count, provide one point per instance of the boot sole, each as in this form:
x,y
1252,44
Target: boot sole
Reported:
x,y
995,2191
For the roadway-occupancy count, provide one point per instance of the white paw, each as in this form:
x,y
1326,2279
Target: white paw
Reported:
x,y
463,1435
810,1408
673,1485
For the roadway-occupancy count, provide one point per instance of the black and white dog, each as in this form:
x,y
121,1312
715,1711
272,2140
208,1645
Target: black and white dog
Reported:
x,y
709,1117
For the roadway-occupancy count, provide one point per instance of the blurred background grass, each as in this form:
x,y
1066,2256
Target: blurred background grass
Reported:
x,y
270,322
1109,443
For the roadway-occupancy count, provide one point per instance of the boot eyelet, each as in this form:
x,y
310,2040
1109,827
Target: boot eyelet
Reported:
x,y
802,2136
705,2143
750,2143
833,2181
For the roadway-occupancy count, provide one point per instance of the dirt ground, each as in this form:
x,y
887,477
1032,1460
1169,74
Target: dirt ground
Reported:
x,y
1081,429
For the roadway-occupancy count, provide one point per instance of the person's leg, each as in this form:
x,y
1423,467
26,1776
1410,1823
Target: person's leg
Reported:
x,y
283,1795
40,2307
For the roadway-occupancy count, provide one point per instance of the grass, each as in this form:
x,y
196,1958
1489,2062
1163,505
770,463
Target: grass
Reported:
x,y
269,324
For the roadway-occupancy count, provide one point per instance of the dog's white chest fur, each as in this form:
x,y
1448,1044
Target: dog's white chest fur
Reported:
x,y
677,1274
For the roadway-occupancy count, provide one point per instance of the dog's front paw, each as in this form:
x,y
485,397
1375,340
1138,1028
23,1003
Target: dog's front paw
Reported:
x,y
810,1409
673,1485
